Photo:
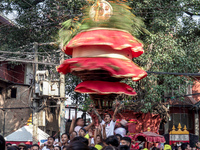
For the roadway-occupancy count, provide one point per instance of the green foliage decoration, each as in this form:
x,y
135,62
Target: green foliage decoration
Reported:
x,y
122,18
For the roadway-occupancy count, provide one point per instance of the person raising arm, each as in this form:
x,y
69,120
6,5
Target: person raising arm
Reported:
x,y
79,123
110,122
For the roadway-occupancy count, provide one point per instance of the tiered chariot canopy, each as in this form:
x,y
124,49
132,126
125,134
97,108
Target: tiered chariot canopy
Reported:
x,y
102,53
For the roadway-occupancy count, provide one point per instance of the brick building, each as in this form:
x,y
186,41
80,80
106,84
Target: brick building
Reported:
x,y
15,96
16,91
185,111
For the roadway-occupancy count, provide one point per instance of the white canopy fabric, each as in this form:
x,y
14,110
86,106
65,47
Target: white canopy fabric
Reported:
x,y
25,134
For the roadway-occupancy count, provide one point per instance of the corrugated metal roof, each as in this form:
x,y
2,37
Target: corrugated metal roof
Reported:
x,y
5,21
187,101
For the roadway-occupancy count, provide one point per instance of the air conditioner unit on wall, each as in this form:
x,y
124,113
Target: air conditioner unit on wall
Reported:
x,y
42,83
44,88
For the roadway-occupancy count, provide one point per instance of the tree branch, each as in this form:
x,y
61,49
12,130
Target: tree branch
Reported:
x,y
37,1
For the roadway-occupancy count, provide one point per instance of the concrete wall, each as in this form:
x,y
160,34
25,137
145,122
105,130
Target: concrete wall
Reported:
x,y
18,117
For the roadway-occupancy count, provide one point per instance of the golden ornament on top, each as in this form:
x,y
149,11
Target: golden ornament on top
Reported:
x,y
101,11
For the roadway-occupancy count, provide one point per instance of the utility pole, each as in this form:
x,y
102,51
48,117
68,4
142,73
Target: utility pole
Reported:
x,y
4,121
61,122
35,103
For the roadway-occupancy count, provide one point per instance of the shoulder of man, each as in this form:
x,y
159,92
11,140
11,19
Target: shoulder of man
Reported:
x,y
77,128
45,148
102,122
112,121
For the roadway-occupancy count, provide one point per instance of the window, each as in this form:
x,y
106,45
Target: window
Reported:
x,y
183,119
13,92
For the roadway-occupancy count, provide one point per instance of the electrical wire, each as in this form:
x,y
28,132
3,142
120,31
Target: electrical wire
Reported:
x,y
12,77
174,73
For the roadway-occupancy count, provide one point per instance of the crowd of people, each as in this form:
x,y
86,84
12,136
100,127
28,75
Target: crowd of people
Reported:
x,y
106,136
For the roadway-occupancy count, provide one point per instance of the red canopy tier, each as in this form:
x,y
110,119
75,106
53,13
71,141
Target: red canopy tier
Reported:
x,y
104,88
118,40
149,137
117,68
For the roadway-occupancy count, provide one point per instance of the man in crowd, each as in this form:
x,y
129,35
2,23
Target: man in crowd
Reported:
x,y
35,147
77,124
22,146
50,143
126,141
198,145
110,121
2,143
121,128
8,145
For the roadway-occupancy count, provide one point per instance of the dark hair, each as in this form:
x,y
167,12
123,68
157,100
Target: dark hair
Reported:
x,y
66,134
92,148
51,137
36,145
12,148
119,136
108,114
109,148
58,147
2,143
75,132
8,144
128,139
65,147
77,145
184,146
112,140
83,129
123,147
100,137
80,139
77,121
154,148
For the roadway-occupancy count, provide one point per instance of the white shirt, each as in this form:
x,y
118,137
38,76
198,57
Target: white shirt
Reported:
x,y
92,140
77,128
45,148
120,131
109,128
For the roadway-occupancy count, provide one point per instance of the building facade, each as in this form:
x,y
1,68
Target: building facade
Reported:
x,y
16,93
185,110
15,97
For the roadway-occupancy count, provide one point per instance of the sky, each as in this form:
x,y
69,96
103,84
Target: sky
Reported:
x,y
12,16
